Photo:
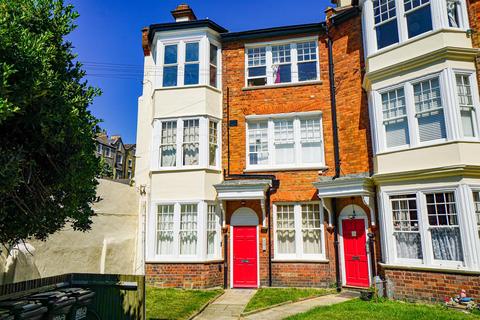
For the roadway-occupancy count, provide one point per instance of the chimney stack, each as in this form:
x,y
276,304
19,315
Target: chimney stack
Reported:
x,y
183,12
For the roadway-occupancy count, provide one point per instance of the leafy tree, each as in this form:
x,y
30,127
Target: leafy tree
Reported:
x,y
48,167
106,169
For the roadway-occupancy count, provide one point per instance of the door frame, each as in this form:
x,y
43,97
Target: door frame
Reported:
x,y
231,254
344,215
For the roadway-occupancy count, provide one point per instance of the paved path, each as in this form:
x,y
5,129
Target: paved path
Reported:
x,y
287,310
229,306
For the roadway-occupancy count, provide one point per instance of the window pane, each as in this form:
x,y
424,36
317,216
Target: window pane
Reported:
x,y
256,57
285,229
476,202
190,142
453,12
442,217
465,100
419,21
284,142
168,147
165,229
213,76
429,113
406,226
191,52
213,54
467,123
257,71
281,54
311,140
307,71
384,10
212,137
306,51
257,66
213,65
282,73
395,118
387,34
170,76
258,143
170,54
311,229
188,229
211,229
191,73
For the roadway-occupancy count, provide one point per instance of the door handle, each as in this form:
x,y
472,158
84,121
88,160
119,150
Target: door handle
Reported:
x,y
245,261
355,258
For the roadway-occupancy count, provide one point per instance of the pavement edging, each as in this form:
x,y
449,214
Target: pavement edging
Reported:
x,y
193,316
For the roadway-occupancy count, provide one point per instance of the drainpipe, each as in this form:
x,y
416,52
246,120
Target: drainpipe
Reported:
x,y
269,239
225,261
228,131
336,151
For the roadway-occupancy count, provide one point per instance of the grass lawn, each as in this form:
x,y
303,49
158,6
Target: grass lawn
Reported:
x,y
266,297
176,303
387,310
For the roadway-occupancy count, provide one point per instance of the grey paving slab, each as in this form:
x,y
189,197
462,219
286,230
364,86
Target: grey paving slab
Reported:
x,y
229,306
287,310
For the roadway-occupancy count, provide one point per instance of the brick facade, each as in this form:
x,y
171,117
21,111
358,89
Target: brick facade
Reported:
x,y
184,275
431,286
297,186
474,17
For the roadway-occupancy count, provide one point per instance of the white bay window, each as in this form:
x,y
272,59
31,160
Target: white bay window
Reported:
x,y
432,228
427,111
184,143
283,141
282,62
299,231
186,231
397,21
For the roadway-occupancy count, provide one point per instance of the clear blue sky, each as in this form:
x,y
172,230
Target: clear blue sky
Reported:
x,y
108,41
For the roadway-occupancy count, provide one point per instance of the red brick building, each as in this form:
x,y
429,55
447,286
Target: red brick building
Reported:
x,y
295,174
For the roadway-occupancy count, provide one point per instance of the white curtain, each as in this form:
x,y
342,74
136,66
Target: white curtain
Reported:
x,y
169,154
452,11
286,241
285,153
165,242
211,242
190,154
188,242
447,244
409,245
312,241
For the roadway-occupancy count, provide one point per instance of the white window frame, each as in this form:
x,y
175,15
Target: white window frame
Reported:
x,y
439,15
464,209
298,164
475,107
217,254
450,108
299,255
204,144
217,144
477,216
204,39
185,62
201,249
293,60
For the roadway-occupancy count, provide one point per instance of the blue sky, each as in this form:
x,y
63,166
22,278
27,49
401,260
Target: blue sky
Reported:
x,y
108,41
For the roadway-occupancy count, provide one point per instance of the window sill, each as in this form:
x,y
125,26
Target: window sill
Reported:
x,y
283,85
270,169
179,261
436,269
190,87
184,169
286,260
442,142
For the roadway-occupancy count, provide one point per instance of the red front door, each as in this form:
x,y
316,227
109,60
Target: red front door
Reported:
x,y
355,252
245,257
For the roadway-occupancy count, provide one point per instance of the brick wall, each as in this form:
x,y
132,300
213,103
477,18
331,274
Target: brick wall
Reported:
x,y
296,186
184,275
474,17
431,286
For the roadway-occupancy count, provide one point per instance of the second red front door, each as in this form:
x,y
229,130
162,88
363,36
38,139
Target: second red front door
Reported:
x,y
355,253
245,257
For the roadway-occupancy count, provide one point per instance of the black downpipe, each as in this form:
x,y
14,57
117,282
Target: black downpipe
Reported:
x,y
336,151
225,259
269,240
228,131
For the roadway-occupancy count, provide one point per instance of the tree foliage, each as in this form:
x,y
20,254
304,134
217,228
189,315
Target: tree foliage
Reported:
x,y
48,166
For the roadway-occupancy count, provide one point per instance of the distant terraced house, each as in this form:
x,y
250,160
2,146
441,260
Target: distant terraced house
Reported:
x,y
327,153
118,156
